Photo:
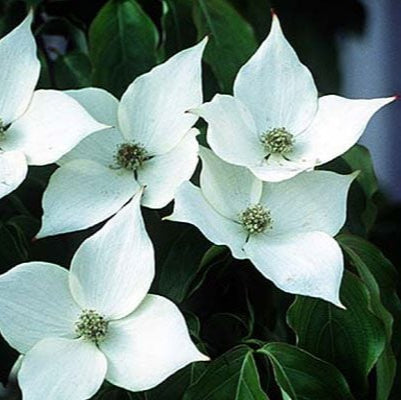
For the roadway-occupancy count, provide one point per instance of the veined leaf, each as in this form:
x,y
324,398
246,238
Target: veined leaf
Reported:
x,y
122,45
305,377
232,39
380,277
233,376
352,339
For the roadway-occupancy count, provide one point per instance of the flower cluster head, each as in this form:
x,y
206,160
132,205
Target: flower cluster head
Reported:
x,y
151,145
276,125
96,321
258,194
284,228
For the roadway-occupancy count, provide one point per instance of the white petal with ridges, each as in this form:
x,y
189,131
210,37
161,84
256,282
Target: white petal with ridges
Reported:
x,y
163,174
230,189
62,369
231,133
102,145
19,70
36,303
52,125
153,109
309,263
149,345
311,201
191,206
111,272
13,170
277,169
338,125
276,87
83,193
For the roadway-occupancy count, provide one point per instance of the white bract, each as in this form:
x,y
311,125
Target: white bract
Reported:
x,y
36,127
275,124
284,228
96,321
151,145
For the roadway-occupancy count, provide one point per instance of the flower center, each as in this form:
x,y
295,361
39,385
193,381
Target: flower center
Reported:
x,y
91,326
256,219
131,156
277,141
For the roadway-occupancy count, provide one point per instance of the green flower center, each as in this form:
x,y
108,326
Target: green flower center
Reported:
x,y
131,156
91,326
256,219
278,141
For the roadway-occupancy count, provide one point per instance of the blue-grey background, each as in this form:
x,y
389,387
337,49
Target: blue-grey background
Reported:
x,y
371,67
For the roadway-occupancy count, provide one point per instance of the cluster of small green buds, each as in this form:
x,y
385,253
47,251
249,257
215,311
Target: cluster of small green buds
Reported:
x,y
131,156
256,219
91,326
277,141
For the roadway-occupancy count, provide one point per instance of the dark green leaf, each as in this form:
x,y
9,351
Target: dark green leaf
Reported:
x,y
233,376
358,158
362,210
352,339
122,43
303,376
178,29
380,278
182,263
232,40
72,71
12,251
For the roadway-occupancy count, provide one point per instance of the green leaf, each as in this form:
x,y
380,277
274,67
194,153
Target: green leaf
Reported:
x,y
358,158
362,209
122,44
12,251
181,264
232,376
72,71
305,377
178,29
232,39
380,278
352,339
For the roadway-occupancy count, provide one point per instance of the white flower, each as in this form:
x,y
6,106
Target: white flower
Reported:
x,y
36,127
275,125
151,145
97,321
284,228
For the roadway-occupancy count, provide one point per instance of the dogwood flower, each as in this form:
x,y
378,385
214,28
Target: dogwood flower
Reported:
x,y
284,228
275,124
97,321
36,127
150,145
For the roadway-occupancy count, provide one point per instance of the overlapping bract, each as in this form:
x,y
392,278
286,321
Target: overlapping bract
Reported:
x,y
111,272
274,91
151,115
36,127
297,252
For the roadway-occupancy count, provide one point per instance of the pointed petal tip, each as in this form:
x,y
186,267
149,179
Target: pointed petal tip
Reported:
x,y
273,12
397,96
34,239
203,357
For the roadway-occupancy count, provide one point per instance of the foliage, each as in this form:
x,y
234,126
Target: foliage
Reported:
x,y
262,346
